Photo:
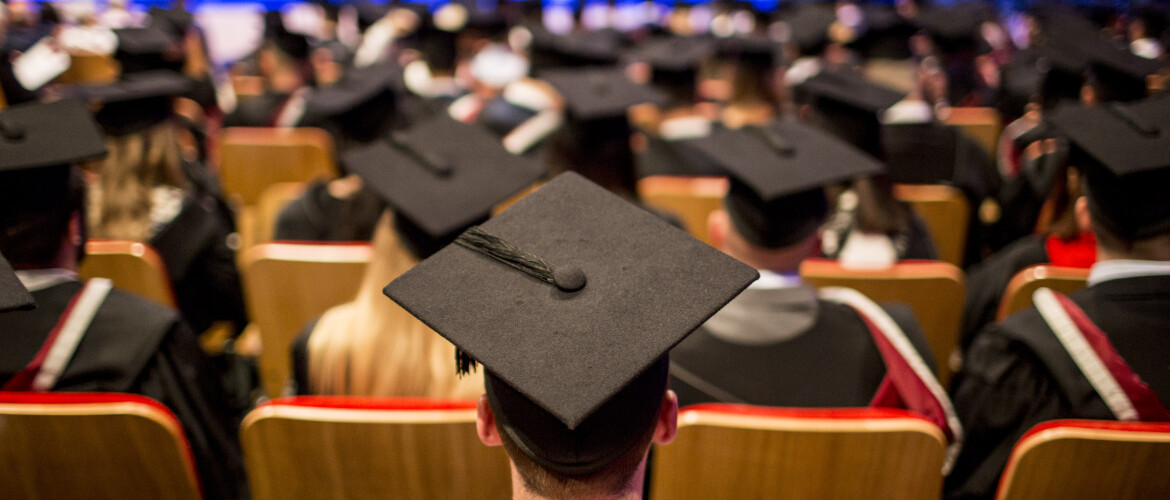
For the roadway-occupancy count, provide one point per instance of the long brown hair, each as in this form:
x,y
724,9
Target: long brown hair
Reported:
x,y
120,199
373,347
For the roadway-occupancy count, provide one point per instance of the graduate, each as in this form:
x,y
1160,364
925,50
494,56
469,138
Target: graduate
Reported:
x,y
116,341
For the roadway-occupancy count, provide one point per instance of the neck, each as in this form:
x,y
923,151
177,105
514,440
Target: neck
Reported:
x,y
633,491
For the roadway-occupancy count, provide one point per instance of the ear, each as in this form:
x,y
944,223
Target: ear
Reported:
x,y
1081,210
718,224
667,425
485,423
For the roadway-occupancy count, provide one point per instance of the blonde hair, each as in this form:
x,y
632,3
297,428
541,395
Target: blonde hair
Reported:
x,y
120,200
373,347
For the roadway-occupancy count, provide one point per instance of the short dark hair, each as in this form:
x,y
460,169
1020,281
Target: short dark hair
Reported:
x,y
36,206
613,479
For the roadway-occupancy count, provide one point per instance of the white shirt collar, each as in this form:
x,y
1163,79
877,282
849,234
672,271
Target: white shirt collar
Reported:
x,y
40,279
771,280
1124,268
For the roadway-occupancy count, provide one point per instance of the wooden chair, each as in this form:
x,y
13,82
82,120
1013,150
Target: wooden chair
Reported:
x,y
981,124
133,266
92,445
358,448
1018,294
692,199
946,213
286,285
90,69
253,158
1086,459
738,451
934,289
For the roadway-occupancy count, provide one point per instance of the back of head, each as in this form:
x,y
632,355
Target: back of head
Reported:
x,y
36,207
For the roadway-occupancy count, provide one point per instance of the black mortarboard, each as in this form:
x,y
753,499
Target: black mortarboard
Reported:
x,y
442,176
808,26
760,52
146,49
41,135
13,295
361,104
175,21
674,63
1124,150
594,93
137,102
778,173
953,27
581,48
848,105
575,353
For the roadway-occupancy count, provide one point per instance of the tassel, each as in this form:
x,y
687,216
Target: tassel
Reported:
x,y
464,364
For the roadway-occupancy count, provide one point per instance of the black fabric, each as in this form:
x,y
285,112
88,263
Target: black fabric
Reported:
x,y
319,216
501,116
138,347
1017,374
987,281
42,135
674,157
257,111
833,363
300,359
201,266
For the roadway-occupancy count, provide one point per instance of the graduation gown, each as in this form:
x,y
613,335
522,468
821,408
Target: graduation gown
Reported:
x,y
319,216
785,347
1018,374
201,266
135,346
257,111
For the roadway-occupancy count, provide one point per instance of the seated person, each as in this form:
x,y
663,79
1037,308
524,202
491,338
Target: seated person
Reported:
x,y
778,343
1037,365
574,338
13,295
142,192
367,347
123,343
283,65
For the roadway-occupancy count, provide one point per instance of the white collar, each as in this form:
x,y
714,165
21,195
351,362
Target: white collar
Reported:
x,y
40,279
772,280
1126,268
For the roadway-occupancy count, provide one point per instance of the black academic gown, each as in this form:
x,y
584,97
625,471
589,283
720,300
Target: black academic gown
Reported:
x,y
201,265
319,216
828,360
135,346
256,111
1017,374
987,281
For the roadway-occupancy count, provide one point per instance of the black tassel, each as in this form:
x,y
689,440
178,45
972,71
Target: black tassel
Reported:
x,y
464,364
566,278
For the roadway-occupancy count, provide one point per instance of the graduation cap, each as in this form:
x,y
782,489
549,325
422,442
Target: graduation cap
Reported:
x,y
596,93
674,63
441,176
361,104
13,295
954,27
576,49
146,49
175,21
37,135
571,299
759,52
1124,150
808,26
848,106
778,172
137,102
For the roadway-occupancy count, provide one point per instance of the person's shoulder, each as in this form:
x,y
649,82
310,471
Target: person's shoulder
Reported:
x,y
136,312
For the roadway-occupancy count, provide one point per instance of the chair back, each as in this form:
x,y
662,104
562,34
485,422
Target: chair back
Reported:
x,y
1087,459
739,451
288,284
691,199
253,158
934,289
133,266
359,448
85,68
1018,294
946,213
92,445
981,124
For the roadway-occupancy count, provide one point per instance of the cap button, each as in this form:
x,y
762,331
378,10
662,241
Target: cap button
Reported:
x,y
569,279
11,131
